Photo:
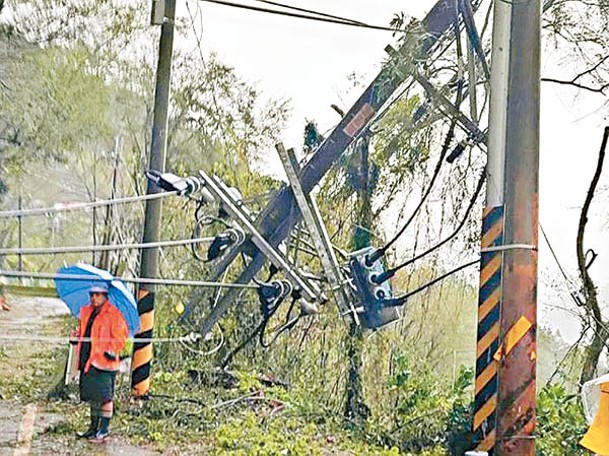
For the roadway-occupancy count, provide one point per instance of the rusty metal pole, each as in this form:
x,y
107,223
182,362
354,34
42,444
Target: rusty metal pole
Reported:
x,y
517,354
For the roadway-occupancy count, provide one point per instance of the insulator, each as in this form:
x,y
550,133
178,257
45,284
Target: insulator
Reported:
x,y
379,307
185,186
456,152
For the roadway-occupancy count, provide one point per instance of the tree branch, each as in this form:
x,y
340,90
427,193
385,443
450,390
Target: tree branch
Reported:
x,y
583,219
592,68
579,86
595,349
578,76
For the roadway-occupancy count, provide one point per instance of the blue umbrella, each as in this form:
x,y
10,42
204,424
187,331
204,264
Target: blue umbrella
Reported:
x,y
74,282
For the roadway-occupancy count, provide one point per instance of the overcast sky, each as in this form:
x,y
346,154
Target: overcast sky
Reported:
x,y
309,64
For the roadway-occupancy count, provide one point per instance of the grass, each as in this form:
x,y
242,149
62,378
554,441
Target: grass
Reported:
x,y
250,419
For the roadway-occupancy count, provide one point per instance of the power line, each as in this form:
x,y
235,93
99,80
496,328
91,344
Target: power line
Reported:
x,y
391,272
102,248
137,280
317,13
445,146
564,274
439,279
83,206
192,337
321,17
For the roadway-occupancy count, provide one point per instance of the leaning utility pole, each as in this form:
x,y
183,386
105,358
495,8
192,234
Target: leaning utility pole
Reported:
x,y
163,13
517,354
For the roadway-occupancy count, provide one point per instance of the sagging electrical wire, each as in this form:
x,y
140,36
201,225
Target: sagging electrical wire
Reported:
x,y
136,280
445,147
211,352
288,324
572,288
472,202
308,11
271,296
320,17
69,207
104,248
401,300
202,221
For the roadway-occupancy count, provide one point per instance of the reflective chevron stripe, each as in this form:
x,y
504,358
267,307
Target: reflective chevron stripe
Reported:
x,y
489,305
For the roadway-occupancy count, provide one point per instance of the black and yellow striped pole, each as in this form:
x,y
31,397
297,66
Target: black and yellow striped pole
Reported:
x,y
516,397
489,305
163,13
505,386
491,260
142,350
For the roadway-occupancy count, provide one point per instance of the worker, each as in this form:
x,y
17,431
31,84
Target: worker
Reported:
x,y
102,335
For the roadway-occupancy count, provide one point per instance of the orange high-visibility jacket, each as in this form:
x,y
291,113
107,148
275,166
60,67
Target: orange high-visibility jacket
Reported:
x,y
109,333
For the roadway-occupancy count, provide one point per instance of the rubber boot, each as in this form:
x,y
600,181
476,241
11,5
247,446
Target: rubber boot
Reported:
x,y
102,432
95,422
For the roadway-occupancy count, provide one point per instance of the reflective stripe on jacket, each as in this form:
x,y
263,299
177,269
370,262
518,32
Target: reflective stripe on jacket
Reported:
x,y
109,334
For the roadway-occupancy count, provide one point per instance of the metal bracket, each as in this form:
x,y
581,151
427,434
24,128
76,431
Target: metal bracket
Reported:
x,y
157,13
222,193
503,248
317,231
438,97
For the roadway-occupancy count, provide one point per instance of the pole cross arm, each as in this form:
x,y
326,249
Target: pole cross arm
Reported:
x,y
309,291
318,233
470,126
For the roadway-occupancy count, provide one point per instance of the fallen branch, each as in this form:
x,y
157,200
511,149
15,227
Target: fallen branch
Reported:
x,y
230,379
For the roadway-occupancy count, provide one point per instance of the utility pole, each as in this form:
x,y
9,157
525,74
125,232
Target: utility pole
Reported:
x,y
355,406
163,12
505,387
489,299
517,355
94,217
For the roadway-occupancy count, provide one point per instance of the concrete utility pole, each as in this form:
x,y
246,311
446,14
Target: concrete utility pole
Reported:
x,y
505,388
516,405
163,12
489,301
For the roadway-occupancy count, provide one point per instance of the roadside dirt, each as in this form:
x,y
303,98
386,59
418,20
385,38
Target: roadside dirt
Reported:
x,y
30,424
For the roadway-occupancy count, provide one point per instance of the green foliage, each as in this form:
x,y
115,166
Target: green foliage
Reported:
x,y
66,107
424,406
560,422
